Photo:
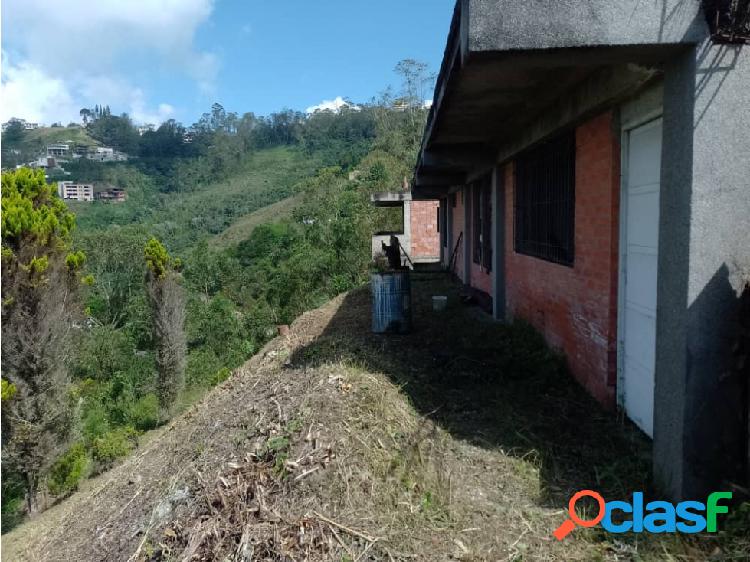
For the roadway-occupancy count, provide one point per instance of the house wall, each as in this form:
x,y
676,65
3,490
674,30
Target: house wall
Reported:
x,y
457,227
480,279
575,308
425,238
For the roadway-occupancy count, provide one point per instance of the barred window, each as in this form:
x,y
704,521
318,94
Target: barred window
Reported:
x,y
544,224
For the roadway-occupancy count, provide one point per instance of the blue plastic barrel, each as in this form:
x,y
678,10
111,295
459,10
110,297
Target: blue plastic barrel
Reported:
x,y
391,302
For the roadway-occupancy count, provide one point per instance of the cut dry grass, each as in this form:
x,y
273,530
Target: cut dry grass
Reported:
x,y
462,440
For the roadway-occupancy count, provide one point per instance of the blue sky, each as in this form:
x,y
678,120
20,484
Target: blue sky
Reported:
x,y
157,59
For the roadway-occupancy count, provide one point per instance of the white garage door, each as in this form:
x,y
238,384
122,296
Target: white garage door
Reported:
x,y
640,215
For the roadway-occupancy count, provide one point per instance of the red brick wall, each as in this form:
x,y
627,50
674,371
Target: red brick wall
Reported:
x,y
576,308
457,228
425,238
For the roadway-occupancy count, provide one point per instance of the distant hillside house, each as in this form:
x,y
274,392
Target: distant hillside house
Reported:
x,y
105,154
58,149
75,191
111,195
44,162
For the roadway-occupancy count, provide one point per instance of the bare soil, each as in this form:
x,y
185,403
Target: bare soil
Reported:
x,y
463,440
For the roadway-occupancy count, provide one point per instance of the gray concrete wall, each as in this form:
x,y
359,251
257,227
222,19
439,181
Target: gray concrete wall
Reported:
x,y
500,25
704,260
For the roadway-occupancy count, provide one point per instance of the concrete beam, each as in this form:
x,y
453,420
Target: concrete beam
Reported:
x,y
604,88
510,25
390,198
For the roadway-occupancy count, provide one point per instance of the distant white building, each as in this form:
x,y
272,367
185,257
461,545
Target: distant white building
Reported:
x,y
58,149
75,191
105,154
45,162
111,195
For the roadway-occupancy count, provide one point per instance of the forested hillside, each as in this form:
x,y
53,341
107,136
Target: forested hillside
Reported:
x,y
157,311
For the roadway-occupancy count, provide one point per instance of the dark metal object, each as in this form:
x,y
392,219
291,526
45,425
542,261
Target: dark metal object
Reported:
x,y
454,255
729,20
391,302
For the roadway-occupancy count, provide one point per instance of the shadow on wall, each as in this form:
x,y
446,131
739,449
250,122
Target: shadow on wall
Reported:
x,y
496,386
714,63
718,385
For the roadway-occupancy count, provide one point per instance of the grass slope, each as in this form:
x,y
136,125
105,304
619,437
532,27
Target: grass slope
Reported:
x,y
243,227
47,135
181,219
462,440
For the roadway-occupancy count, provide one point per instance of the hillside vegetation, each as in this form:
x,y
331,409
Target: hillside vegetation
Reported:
x,y
243,227
161,304
334,444
183,218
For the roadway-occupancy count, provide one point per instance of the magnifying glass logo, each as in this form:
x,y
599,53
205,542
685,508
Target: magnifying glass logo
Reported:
x,y
570,524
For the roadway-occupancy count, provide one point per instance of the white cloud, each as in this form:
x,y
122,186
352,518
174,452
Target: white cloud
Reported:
x,y
30,93
334,105
27,92
74,48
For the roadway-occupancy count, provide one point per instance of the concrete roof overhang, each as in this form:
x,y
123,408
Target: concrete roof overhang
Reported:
x,y
495,96
390,198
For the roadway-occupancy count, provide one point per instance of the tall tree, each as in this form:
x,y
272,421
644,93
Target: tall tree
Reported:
x,y
14,132
39,304
167,299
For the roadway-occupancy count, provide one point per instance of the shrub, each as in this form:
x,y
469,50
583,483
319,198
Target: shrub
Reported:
x,y
220,376
68,471
144,413
95,422
202,364
13,492
113,445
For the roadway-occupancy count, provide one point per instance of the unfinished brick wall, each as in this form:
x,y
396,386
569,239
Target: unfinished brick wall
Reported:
x,y
576,307
425,238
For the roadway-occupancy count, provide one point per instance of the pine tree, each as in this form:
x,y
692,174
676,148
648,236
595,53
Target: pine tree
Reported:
x,y
167,299
39,305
